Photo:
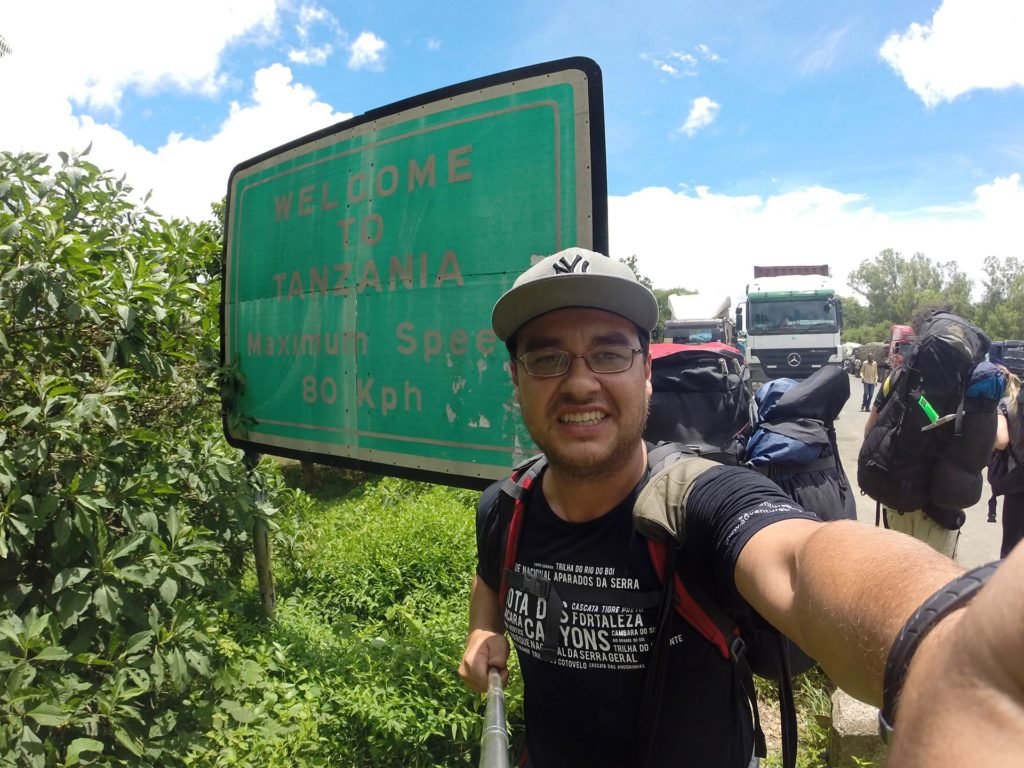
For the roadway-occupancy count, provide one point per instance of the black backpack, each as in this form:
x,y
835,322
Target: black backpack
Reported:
x,y
794,441
930,442
701,398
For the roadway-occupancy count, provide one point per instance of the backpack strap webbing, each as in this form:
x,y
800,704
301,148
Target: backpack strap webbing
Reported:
x,y
516,487
703,614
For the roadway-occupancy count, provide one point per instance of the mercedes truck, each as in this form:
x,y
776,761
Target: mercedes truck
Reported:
x,y
792,320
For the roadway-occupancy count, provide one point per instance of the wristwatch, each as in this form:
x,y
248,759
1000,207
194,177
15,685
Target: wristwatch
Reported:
x,y
933,610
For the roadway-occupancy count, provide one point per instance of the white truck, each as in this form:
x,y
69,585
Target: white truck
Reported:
x,y
792,319
698,319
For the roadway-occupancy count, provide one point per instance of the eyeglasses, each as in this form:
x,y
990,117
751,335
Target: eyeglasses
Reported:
x,y
546,363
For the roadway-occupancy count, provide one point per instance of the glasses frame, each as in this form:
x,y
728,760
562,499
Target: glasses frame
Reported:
x,y
521,360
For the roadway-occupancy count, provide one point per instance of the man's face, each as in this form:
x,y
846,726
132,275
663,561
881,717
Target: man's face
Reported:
x,y
586,423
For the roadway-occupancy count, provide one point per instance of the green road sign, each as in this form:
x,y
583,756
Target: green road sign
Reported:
x,y
361,264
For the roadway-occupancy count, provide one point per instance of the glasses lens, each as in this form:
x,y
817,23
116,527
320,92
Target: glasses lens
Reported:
x,y
610,359
546,362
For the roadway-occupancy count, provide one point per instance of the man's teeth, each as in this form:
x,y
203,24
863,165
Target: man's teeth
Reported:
x,y
586,417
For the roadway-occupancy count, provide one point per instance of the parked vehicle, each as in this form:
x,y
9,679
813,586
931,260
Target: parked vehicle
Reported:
x,y
901,339
1009,353
699,319
792,319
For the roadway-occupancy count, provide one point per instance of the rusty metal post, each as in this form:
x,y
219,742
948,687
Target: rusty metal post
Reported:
x,y
261,543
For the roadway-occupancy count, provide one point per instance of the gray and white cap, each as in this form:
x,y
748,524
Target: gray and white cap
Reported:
x,y
574,277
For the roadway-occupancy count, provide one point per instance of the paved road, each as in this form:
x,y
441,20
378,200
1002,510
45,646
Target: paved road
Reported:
x,y
979,540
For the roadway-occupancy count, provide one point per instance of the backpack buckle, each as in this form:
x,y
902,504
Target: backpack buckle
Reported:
x,y
737,648
537,585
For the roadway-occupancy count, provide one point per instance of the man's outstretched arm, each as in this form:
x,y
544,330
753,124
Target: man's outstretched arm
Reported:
x,y
486,645
842,591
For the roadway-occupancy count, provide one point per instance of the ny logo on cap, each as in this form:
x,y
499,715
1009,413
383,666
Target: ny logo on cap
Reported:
x,y
562,266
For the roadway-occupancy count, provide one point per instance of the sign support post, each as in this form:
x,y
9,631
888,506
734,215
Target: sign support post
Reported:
x,y
261,542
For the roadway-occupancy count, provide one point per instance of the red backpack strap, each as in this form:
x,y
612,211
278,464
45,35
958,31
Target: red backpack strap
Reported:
x,y
697,610
517,488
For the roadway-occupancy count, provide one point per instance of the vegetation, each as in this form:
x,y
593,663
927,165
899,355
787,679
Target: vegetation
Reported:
x,y
661,294
896,288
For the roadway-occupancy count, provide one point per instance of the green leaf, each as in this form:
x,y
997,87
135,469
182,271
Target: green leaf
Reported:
x,y
80,745
169,590
71,604
138,642
239,712
48,714
176,666
52,653
36,626
127,741
127,545
68,578
108,603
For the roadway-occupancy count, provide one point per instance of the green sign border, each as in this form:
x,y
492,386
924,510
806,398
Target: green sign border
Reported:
x,y
591,231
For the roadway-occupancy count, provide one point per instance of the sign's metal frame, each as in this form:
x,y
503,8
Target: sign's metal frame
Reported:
x,y
590,231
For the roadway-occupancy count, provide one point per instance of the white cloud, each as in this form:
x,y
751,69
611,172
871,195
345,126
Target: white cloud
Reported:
x,y
186,174
103,53
706,53
310,18
673,64
311,15
311,55
433,44
969,44
710,242
703,112
367,52
824,53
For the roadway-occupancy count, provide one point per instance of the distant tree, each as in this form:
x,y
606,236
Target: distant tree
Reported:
x,y
662,296
895,287
5,48
631,262
1001,310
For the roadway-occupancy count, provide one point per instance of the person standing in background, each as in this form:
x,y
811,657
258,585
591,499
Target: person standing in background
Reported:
x,y
868,377
1010,438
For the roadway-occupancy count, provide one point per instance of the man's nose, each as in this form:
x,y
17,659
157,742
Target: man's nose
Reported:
x,y
579,377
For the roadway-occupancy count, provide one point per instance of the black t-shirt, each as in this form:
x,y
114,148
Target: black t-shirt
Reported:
x,y
582,703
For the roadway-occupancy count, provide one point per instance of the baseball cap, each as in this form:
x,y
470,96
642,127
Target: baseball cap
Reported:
x,y
574,277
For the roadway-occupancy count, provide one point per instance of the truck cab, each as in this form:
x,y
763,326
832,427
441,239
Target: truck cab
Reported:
x,y
792,319
901,339
699,319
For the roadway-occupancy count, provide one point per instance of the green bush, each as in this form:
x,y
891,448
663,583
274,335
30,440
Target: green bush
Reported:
x,y
123,510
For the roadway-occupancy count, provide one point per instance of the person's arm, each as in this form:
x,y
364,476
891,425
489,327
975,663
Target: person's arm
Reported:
x,y
871,419
842,591
486,645
963,700
1002,433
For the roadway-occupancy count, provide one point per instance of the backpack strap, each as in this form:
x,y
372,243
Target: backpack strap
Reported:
x,y
699,612
693,604
515,488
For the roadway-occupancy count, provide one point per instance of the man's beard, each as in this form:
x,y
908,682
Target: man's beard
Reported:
x,y
583,464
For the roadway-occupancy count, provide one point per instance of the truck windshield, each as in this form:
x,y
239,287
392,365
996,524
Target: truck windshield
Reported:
x,y
692,334
793,316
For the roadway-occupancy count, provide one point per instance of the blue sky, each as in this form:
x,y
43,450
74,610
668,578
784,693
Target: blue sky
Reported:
x,y
738,133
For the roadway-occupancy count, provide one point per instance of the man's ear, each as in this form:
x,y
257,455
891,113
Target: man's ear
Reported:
x,y
648,363
513,369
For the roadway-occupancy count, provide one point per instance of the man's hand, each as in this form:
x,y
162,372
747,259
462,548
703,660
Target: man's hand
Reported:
x,y
484,649
486,645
